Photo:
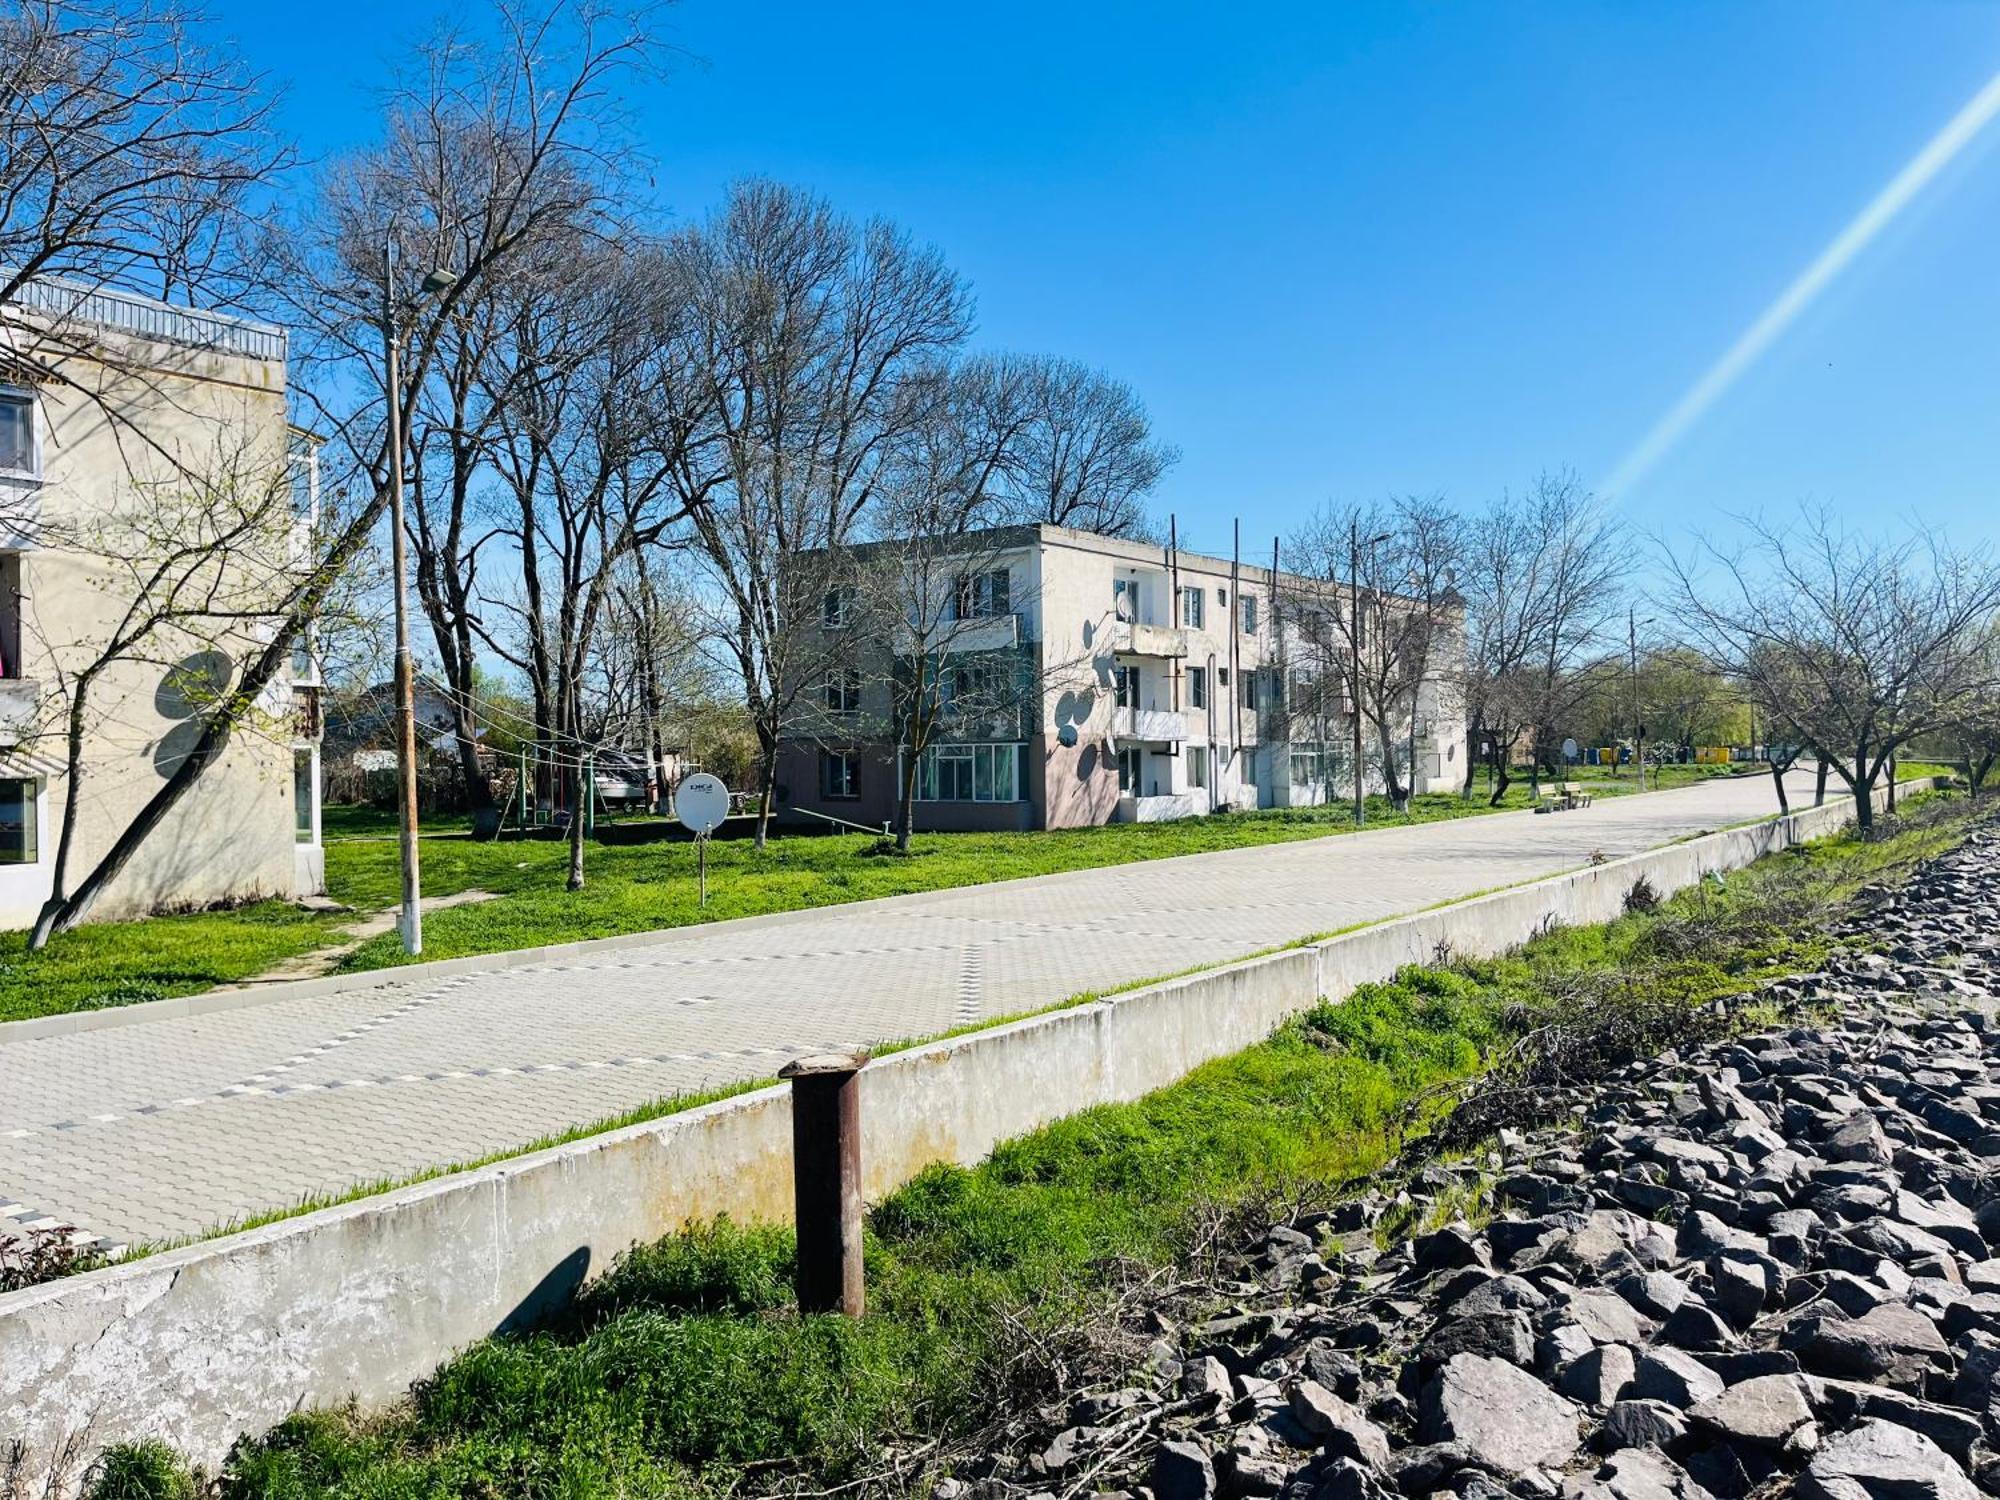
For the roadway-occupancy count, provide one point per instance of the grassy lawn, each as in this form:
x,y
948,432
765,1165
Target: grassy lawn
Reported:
x,y
630,888
688,1364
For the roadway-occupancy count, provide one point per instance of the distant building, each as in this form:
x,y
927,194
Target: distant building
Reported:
x,y
148,390
1155,685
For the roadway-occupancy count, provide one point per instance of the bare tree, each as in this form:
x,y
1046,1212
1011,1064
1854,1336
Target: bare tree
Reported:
x,y
130,154
1543,581
1085,456
545,86
593,441
1396,619
807,327
1858,645
942,599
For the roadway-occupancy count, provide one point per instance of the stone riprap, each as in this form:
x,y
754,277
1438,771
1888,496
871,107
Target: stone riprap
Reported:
x,y
1759,1266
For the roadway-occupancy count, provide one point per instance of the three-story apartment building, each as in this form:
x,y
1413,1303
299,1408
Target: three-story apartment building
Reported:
x,y
1154,683
110,403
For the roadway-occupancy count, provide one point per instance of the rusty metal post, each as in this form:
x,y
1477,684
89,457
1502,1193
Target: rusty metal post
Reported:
x,y
826,1180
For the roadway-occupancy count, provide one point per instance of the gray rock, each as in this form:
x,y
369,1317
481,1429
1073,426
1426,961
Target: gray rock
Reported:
x,y
1333,1424
1607,1317
1766,1410
1182,1471
1878,1460
1636,1424
1600,1377
1500,1335
1890,1340
1506,1417
1675,1377
1635,1474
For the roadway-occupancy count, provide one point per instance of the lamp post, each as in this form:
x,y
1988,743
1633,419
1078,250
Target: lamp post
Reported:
x,y
1632,624
412,921
1354,546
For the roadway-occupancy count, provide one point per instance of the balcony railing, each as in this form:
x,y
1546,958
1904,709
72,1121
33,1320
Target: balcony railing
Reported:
x,y
991,633
1150,640
128,312
1148,724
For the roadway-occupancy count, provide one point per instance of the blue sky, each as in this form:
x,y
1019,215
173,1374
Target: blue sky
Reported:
x,y
1345,251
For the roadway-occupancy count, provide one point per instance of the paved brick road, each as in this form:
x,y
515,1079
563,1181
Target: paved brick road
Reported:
x,y
167,1127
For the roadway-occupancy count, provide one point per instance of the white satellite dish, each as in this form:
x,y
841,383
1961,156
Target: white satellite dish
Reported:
x,y
701,802
1125,608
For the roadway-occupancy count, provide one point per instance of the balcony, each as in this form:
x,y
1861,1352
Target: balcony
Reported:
x,y
20,711
1132,639
65,301
1158,809
1154,724
992,633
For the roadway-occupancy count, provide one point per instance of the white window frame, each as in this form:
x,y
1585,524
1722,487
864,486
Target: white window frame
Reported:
x,y
1197,687
1246,605
836,607
841,692
1191,606
38,810
1197,767
26,396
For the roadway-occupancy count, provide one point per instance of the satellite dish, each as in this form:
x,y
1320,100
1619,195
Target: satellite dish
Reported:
x,y
1125,607
701,802
1066,736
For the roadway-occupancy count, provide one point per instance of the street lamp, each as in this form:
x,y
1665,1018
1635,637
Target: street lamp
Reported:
x,y
1354,546
412,923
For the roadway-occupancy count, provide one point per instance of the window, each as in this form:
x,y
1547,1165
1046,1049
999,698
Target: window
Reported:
x,y
1246,689
969,773
1222,681
839,775
1197,764
10,614
305,791
1197,687
17,433
1191,602
18,816
980,596
843,690
1125,686
1247,603
1128,771
1125,598
1308,768
1222,598
836,610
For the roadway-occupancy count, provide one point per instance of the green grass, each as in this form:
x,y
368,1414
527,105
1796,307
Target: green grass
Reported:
x,y
630,888
105,964
687,1363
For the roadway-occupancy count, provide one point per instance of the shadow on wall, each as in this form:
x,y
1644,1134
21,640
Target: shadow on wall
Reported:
x,y
551,1295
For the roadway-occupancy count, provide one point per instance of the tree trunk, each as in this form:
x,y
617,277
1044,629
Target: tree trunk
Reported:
x,y
1500,780
1778,780
906,808
1392,781
1819,787
1864,795
576,820
767,792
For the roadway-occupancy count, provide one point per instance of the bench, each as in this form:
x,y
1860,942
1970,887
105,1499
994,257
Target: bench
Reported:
x,y
1561,796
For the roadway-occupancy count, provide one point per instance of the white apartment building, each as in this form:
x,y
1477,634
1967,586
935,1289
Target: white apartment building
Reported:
x,y
148,396
1156,684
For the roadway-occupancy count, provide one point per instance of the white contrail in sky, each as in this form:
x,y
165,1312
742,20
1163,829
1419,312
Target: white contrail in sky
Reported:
x,y
1916,174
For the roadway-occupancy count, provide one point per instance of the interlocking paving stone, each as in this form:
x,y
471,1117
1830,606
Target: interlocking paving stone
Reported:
x,y
173,1126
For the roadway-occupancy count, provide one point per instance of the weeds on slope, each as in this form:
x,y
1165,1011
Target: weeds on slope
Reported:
x,y
687,1370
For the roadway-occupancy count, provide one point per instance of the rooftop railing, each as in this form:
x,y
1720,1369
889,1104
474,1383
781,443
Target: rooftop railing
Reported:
x,y
128,312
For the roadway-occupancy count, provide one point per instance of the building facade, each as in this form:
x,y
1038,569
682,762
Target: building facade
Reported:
x,y
1135,683
128,428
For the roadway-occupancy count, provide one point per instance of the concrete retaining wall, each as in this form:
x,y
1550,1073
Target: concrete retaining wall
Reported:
x,y
198,1345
